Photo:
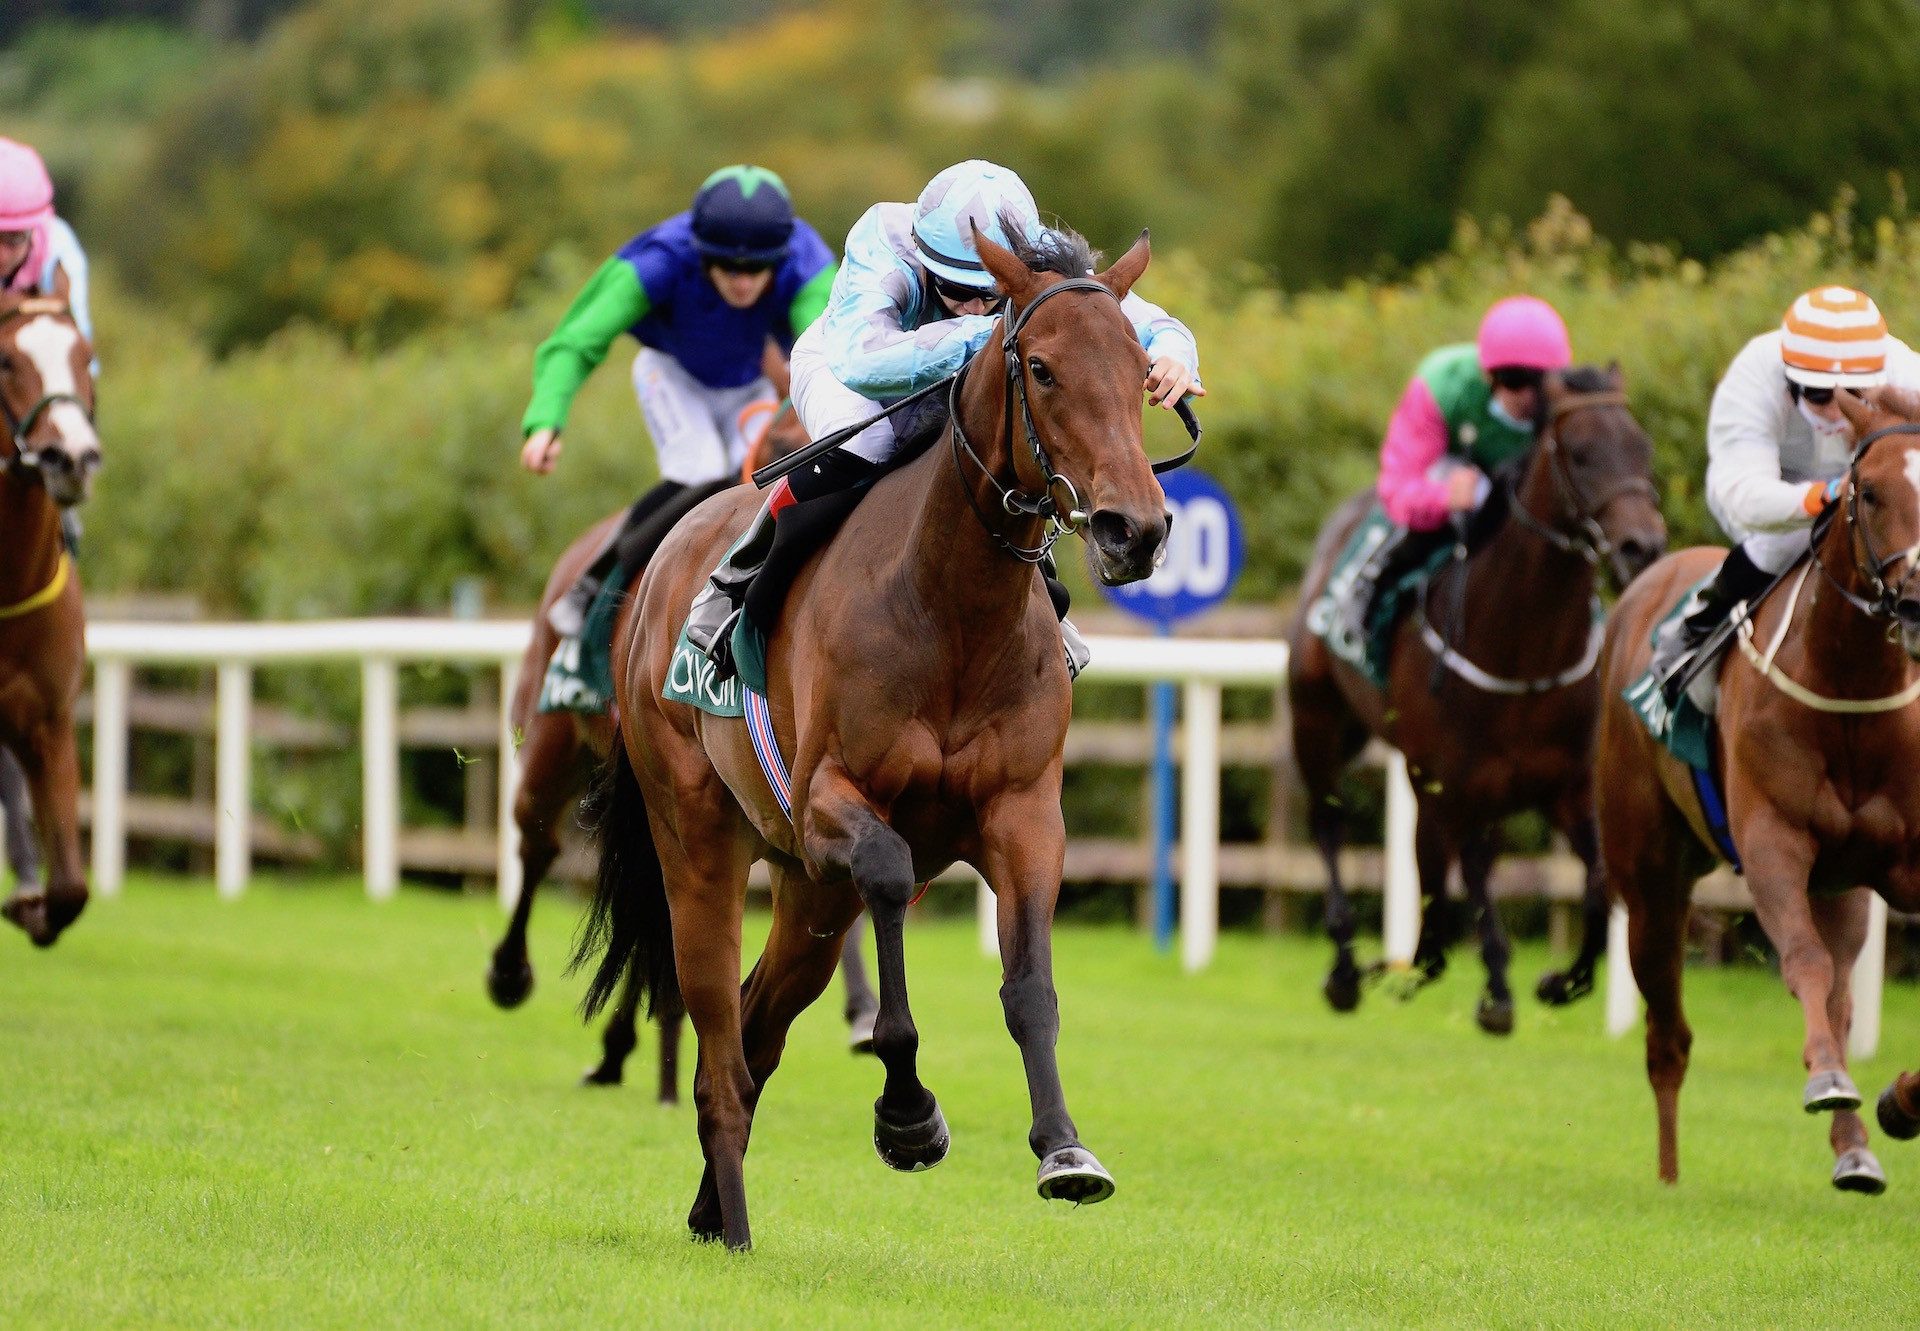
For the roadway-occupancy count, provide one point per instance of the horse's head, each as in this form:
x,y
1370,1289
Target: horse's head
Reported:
x,y
46,391
1881,504
1596,463
1082,370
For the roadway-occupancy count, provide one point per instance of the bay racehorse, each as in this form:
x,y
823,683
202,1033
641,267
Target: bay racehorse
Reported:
x,y
560,750
920,693
1505,721
47,462
1818,729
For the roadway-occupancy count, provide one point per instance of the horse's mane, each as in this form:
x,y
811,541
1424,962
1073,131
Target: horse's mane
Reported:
x,y
1585,379
1055,249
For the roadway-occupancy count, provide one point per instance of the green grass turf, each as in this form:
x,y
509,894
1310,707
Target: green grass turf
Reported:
x,y
300,1110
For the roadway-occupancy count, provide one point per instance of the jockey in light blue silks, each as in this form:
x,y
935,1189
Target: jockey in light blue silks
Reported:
x,y
911,304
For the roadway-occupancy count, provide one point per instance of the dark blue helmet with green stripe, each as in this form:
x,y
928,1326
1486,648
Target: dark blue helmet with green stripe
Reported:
x,y
743,214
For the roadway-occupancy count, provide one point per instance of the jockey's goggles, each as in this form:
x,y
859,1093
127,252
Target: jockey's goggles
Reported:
x,y
1813,397
1513,378
959,293
742,267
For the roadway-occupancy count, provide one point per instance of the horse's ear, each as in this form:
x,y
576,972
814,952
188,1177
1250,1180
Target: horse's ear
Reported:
x,y
1857,410
1015,279
1125,270
1616,377
1900,401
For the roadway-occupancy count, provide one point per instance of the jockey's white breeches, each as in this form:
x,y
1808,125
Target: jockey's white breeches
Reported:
x,y
824,404
700,434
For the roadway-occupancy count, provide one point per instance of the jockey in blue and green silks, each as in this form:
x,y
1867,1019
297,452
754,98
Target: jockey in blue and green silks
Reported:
x,y
911,305
715,296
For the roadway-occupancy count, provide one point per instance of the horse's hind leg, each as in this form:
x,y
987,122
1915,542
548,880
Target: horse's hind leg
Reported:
x,y
1899,1108
552,773
1327,737
1495,1013
1842,923
621,1034
1576,822
672,1020
862,1004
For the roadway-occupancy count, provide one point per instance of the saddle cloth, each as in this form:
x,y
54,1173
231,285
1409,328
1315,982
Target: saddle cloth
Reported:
x,y
1327,616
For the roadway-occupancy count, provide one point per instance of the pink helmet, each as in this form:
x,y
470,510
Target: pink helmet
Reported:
x,y
1524,333
26,191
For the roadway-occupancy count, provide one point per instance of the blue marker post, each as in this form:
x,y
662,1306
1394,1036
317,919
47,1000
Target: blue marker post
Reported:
x,y
1205,552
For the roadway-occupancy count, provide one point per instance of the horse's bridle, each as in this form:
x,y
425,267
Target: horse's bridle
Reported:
x,y
1588,540
25,458
1061,514
1873,570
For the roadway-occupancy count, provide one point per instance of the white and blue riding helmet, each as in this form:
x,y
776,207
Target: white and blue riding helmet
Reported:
x,y
965,195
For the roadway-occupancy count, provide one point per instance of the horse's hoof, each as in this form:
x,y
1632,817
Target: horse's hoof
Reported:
x,y
1342,989
509,985
860,1032
1071,1174
913,1148
28,910
604,1073
1495,1015
1895,1121
1857,1171
63,908
1559,988
1830,1090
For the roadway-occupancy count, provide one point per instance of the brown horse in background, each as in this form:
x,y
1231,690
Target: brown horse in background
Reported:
x,y
47,462
1506,722
1817,735
920,693
560,750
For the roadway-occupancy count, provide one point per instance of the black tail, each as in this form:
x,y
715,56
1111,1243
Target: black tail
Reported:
x,y
628,921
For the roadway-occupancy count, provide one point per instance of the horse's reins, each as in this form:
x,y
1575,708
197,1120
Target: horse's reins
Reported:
x,y
1590,544
1062,515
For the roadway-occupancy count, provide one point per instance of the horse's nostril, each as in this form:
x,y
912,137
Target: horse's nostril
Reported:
x,y
1113,531
1907,611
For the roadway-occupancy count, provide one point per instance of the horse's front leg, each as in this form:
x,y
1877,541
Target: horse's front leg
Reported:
x,y
846,839
1778,860
51,761
1024,846
1842,923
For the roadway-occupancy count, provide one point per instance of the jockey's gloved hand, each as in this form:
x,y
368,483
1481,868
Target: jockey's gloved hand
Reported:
x,y
1822,494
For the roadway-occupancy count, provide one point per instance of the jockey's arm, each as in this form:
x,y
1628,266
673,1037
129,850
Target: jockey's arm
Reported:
x,y
612,301
1416,441
1745,424
1173,353
70,280
871,351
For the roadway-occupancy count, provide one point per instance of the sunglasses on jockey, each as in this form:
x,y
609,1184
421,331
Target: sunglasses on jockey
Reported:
x,y
1513,378
1813,397
958,293
741,267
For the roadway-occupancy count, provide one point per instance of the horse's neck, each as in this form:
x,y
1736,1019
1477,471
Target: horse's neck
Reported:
x,y
961,577
1528,603
29,538
1838,650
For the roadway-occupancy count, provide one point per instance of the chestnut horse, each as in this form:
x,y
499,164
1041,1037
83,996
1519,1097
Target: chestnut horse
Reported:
x,y
47,462
1816,738
560,750
920,693
1505,722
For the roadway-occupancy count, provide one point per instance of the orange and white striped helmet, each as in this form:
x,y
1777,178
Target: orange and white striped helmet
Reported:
x,y
1834,337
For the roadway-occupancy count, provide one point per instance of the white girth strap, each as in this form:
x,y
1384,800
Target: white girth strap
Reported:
x,y
1489,683
1806,697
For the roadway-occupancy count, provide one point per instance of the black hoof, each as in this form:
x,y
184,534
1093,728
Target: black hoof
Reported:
x,y
1857,1171
28,910
1828,1091
1495,1015
1895,1121
912,1148
509,984
604,1073
1342,987
1071,1174
1559,988
63,908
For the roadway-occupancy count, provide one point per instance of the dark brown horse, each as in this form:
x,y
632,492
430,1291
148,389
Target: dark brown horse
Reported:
x,y
920,694
1506,721
47,462
1818,726
559,751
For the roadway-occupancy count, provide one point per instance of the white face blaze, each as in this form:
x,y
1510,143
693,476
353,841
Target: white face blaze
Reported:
x,y
49,343
1910,637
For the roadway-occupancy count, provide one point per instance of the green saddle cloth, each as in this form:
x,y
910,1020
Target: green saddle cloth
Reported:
x,y
1326,617
579,676
1682,729
690,675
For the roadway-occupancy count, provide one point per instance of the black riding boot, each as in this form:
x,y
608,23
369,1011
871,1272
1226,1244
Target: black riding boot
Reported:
x,y
1397,556
1738,579
568,615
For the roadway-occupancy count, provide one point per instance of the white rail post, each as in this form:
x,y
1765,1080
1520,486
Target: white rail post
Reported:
x,y
112,685
986,910
1400,911
507,871
233,778
1623,995
1869,971
380,774
1200,824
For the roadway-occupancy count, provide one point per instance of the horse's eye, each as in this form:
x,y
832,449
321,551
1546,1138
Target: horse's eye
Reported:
x,y
1041,374
1869,495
